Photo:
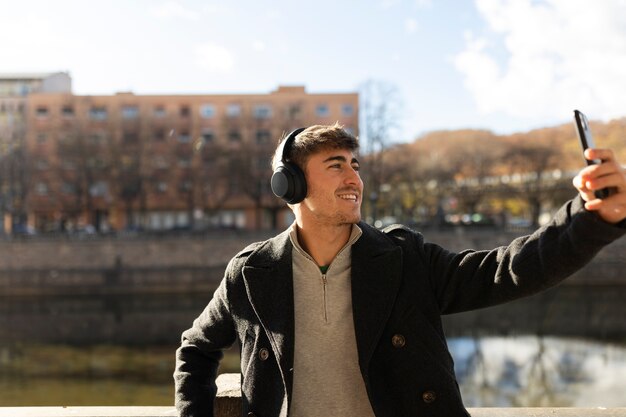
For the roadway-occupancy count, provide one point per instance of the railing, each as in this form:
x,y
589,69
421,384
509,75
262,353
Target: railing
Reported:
x,y
228,404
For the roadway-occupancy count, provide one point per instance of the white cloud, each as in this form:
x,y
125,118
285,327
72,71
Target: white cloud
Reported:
x,y
560,55
423,3
410,25
388,4
174,10
274,14
259,46
214,58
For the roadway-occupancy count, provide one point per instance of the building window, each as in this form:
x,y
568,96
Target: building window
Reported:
x,y
41,188
68,188
184,137
184,162
262,111
349,129
99,189
347,110
96,162
42,137
67,111
207,111
233,110
41,164
185,111
159,112
98,113
128,161
234,136
263,137
130,112
160,162
159,135
232,218
65,138
207,136
161,187
294,111
185,186
97,138
130,137
42,111
262,163
68,164
322,110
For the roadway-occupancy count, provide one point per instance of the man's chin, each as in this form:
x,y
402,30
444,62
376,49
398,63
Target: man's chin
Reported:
x,y
353,219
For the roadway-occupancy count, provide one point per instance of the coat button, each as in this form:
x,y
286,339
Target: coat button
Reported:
x,y
398,341
251,414
429,397
264,354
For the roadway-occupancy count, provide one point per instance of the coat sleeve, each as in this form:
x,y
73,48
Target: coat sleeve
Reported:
x,y
198,357
475,279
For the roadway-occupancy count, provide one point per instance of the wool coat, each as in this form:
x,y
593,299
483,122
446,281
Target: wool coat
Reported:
x,y
401,285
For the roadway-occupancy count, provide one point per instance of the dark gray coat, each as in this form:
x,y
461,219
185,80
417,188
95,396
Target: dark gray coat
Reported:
x,y
401,286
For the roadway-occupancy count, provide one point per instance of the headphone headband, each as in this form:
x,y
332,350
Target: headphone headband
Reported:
x,y
284,146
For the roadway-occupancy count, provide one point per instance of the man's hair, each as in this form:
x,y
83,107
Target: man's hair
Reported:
x,y
314,139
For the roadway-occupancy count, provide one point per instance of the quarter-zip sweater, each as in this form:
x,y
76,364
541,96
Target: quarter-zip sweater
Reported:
x,y
327,380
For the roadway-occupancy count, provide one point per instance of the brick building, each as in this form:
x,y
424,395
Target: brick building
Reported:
x,y
160,162
14,91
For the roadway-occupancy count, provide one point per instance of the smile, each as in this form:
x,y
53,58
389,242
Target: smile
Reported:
x,y
349,197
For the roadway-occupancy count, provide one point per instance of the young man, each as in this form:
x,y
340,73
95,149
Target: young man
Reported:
x,y
336,318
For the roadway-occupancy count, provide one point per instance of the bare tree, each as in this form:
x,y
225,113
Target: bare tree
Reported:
x,y
14,171
380,112
530,161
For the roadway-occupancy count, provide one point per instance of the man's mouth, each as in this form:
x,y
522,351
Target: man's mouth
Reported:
x,y
349,197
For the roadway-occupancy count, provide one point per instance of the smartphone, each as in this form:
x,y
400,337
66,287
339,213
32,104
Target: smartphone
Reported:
x,y
586,141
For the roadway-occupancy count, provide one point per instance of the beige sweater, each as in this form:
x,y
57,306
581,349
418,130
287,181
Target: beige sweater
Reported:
x,y
326,380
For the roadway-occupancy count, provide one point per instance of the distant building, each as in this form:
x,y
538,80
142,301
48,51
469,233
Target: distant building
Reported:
x,y
162,162
14,90
23,84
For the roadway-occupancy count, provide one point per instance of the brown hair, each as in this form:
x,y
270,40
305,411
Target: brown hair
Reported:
x,y
314,139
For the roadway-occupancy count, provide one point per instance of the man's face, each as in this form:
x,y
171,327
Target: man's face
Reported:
x,y
334,188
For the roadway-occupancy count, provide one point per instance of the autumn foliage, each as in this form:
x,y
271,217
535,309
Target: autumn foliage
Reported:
x,y
477,171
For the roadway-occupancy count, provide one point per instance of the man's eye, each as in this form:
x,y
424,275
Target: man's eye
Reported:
x,y
356,167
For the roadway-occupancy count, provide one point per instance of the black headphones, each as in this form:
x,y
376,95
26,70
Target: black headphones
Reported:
x,y
288,180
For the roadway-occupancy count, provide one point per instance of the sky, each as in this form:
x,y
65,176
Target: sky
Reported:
x,y
502,65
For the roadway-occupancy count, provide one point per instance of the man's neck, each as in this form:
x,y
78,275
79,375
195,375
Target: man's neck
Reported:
x,y
323,243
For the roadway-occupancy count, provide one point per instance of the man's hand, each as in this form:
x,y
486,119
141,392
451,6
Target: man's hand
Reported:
x,y
608,174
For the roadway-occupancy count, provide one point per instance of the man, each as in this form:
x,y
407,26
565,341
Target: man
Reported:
x,y
336,318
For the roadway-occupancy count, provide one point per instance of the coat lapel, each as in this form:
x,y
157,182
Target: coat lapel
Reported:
x,y
269,284
376,277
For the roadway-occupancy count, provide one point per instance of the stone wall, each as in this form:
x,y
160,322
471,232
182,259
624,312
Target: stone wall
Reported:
x,y
195,263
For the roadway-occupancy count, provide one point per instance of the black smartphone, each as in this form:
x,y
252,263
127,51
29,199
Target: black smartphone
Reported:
x,y
586,141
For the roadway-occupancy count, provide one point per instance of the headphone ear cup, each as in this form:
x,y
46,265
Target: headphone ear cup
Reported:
x,y
288,182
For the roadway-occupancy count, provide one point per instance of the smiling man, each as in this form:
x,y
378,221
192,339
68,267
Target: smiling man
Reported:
x,y
336,318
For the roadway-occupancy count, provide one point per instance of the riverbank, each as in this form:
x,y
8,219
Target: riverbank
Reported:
x,y
195,263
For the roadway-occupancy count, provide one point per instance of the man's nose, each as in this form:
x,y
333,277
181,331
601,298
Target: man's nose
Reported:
x,y
352,177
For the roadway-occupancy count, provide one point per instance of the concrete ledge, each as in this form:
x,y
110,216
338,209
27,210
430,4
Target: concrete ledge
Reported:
x,y
228,404
170,411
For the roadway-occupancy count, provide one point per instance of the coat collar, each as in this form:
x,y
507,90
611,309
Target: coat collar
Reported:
x,y
376,274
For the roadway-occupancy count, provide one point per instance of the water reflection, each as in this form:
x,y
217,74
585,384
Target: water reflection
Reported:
x,y
525,371
119,350
39,375
539,372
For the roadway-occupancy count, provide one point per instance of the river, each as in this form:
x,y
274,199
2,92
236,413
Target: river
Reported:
x,y
71,351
